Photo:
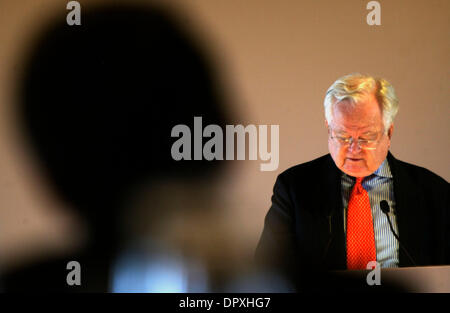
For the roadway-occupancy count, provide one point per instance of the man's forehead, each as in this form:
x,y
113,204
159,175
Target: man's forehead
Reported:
x,y
362,130
362,116
367,124
367,105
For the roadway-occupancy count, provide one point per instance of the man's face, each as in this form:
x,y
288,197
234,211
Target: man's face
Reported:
x,y
365,122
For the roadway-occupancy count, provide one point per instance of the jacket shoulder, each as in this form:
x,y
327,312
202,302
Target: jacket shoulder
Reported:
x,y
422,175
308,168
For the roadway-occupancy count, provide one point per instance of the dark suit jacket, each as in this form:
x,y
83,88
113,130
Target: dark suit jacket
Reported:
x,y
304,227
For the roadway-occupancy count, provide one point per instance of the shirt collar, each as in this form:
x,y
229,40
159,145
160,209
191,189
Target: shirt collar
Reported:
x,y
384,170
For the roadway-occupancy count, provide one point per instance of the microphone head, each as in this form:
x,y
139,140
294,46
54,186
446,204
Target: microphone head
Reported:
x,y
384,206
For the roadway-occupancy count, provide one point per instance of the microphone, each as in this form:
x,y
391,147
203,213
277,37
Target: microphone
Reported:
x,y
386,209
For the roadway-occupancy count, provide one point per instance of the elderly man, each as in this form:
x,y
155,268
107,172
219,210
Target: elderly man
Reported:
x,y
347,208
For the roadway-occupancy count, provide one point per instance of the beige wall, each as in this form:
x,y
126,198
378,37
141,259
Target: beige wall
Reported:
x,y
278,57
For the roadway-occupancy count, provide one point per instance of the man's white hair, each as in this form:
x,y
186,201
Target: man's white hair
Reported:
x,y
356,87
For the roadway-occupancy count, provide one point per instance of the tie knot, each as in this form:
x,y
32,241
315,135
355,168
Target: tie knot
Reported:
x,y
358,185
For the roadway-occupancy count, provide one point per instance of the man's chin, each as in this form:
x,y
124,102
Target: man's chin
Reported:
x,y
355,171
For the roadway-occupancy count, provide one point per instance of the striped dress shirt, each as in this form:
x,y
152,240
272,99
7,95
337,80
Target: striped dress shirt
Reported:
x,y
379,186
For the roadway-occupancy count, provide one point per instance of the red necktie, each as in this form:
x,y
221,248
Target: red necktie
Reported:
x,y
360,237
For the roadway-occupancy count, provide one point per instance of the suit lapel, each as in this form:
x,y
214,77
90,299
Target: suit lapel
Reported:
x,y
332,211
410,219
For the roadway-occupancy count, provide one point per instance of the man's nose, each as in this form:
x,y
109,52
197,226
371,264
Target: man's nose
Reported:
x,y
354,146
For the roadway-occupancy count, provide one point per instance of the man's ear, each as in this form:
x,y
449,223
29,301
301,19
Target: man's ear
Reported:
x,y
326,125
390,131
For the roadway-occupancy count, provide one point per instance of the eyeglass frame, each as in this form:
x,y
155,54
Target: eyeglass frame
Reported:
x,y
360,142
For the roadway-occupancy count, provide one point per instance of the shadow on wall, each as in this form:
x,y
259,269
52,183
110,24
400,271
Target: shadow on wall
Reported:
x,y
97,103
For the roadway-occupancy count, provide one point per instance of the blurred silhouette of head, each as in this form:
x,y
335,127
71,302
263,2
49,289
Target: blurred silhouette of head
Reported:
x,y
98,102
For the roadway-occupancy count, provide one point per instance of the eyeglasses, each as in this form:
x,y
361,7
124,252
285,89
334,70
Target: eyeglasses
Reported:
x,y
363,143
